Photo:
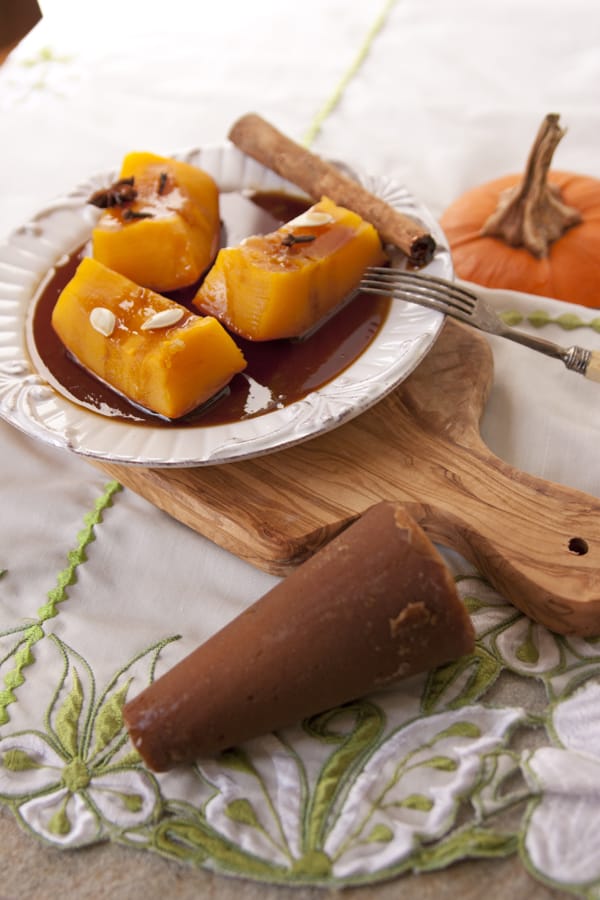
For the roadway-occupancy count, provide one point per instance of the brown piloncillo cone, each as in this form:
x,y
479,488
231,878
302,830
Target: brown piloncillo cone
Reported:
x,y
374,604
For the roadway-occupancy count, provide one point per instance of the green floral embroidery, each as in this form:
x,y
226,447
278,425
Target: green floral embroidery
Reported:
x,y
19,761
78,780
540,318
527,651
471,843
41,66
242,811
332,101
412,780
22,652
391,785
351,748
381,834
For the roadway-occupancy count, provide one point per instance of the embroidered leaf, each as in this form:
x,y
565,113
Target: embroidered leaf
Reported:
x,y
478,672
315,864
237,759
473,604
132,802
109,721
417,801
67,717
459,729
19,761
60,824
380,834
471,842
368,727
131,758
243,812
197,841
441,763
528,652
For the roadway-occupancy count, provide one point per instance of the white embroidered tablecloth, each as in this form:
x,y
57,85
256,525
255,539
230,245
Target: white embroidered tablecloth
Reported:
x,y
495,755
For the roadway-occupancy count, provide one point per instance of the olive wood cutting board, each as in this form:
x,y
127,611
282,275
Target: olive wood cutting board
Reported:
x,y
537,542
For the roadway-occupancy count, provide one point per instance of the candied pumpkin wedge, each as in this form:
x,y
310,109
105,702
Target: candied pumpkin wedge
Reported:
x,y
160,224
282,284
152,350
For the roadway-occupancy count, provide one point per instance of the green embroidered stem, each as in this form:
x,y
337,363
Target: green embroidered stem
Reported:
x,y
351,749
461,729
24,656
197,841
331,103
77,556
473,842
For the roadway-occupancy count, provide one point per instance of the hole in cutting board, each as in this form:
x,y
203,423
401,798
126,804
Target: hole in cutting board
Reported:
x,y
579,546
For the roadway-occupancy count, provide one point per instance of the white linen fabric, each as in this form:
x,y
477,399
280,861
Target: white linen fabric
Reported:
x,y
447,96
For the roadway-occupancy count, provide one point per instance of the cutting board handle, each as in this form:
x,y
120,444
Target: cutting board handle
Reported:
x,y
537,542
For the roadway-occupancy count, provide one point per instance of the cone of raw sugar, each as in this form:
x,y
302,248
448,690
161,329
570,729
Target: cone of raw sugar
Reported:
x,y
375,604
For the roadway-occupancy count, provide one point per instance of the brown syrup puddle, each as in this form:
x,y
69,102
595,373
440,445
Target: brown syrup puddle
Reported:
x,y
278,374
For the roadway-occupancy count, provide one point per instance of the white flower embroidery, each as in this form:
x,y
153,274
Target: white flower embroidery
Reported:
x,y
528,648
67,800
80,780
560,842
269,824
410,788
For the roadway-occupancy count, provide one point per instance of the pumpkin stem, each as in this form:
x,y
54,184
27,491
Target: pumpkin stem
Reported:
x,y
532,214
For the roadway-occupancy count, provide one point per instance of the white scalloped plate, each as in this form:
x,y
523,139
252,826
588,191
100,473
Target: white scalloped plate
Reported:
x,y
30,402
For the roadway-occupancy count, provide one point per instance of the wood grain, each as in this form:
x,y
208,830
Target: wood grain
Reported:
x,y
537,542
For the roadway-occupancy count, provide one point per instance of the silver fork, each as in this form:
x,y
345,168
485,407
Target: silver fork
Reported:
x,y
460,303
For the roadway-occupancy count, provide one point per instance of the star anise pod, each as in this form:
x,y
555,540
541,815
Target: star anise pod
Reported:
x,y
118,194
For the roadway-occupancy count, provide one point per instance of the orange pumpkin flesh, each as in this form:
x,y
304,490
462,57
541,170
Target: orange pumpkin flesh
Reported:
x,y
176,236
166,367
571,269
283,284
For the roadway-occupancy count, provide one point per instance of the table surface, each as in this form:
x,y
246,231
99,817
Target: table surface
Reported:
x,y
99,588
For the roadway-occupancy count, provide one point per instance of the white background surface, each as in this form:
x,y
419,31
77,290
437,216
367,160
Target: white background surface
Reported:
x,y
450,95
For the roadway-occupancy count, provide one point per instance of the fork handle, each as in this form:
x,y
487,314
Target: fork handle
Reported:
x,y
592,370
577,359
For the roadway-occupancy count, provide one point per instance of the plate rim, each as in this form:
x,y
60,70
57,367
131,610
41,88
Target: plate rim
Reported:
x,y
30,403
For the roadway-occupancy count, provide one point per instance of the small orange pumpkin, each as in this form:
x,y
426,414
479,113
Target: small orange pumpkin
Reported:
x,y
538,233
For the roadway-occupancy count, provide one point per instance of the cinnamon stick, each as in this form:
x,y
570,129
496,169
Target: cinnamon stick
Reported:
x,y
375,604
317,178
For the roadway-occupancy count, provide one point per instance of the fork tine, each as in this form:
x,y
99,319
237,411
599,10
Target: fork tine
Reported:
x,y
404,293
427,291
422,278
444,292
460,303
